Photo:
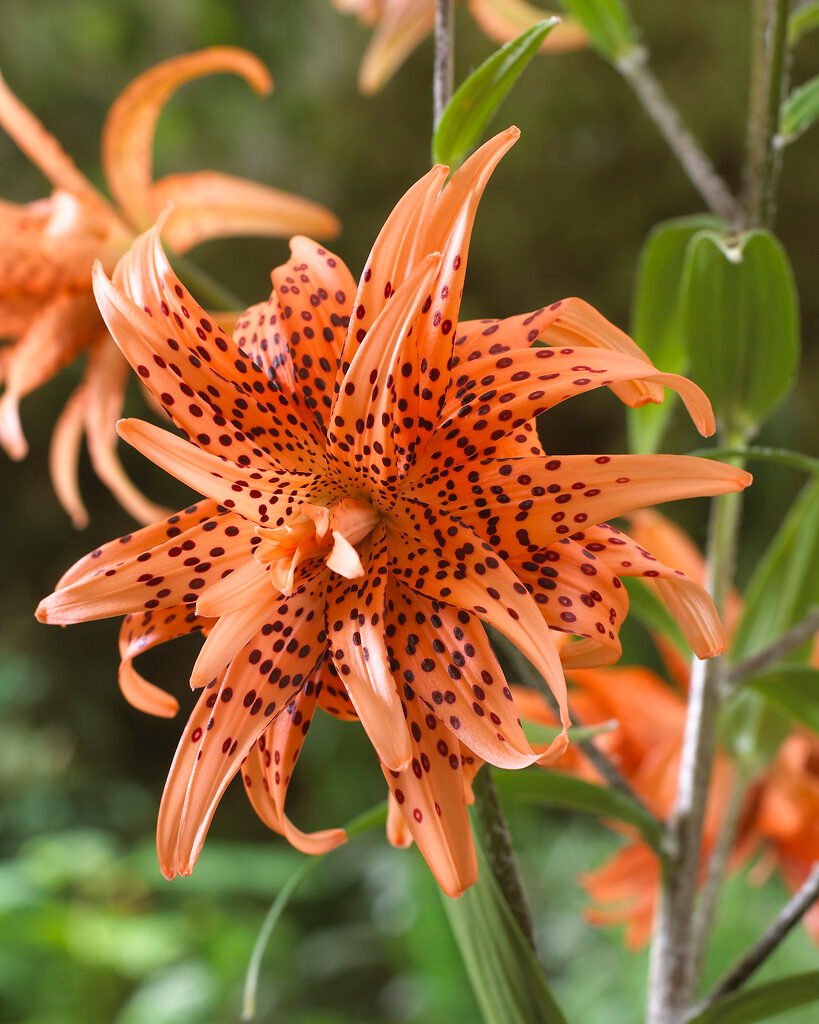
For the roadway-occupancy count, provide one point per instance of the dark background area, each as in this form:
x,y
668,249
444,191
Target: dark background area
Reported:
x,y
89,930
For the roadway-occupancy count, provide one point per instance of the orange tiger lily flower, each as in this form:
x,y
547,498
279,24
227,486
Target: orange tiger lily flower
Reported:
x,y
48,247
373,490
401,25
787,815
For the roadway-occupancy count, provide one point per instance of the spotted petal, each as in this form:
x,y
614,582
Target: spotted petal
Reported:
x,y
229,718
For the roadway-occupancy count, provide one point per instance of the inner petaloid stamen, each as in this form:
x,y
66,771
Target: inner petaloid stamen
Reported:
x,y
327,531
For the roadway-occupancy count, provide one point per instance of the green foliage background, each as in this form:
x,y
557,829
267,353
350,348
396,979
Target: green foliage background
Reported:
x,y
89,930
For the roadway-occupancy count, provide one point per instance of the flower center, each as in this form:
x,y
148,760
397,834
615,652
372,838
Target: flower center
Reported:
x,y
330,532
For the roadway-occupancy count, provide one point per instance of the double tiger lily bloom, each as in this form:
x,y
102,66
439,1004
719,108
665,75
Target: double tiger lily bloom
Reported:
x,y
401,25
48,248
373,490
780,812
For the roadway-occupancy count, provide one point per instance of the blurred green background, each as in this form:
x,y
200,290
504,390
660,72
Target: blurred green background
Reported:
x,y
89,930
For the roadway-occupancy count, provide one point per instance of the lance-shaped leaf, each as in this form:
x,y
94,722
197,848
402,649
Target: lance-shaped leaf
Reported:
x,y
753,453
763,1001
785,585
793,690
799,111
477,99
555,789
803,20
507,980
741,320
608,23
656,317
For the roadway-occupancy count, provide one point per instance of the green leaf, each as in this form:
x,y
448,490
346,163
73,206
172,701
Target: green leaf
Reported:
x,y
799,111
763,1001
558,790
803,20
785,584
609,25
782,456
655,317
741,322
477,99
793,690
362,823
507,980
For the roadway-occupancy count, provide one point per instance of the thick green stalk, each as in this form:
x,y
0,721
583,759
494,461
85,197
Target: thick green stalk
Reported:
x,y
769,76
673,959
500,854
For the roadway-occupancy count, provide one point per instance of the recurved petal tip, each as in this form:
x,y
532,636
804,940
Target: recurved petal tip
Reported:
x,y
12,437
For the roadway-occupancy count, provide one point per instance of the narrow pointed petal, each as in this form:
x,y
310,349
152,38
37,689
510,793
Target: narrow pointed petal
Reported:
x,y
397,250
207,205
315,291
448,661
64,457
105,380
333,697
450,232
360,435
400,29
269,767
430,795
536,501
62,328
442,559
115,552
576,593
493,396
229,718
398,833
567,323
355,626
128,134
40,146
229,635
160,329
248,585
686,598
140,632
249,492
164,575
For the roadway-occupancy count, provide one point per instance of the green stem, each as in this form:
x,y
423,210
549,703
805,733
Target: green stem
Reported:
x,y
443,72
769,75
500,854
634,67
673,956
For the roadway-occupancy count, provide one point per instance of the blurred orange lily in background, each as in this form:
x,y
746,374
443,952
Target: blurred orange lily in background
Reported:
x,y
780,812
401,25
48,247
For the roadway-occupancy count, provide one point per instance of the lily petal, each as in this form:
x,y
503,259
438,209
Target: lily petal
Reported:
x,y
209,205
128,134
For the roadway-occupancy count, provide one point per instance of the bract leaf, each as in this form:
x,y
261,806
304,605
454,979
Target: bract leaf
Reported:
x,y
608,23
799,111
793,690
741,323
655,317
477,99
763,1001
785,584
